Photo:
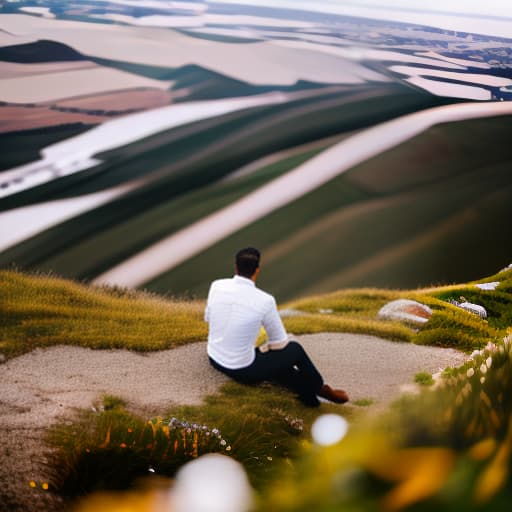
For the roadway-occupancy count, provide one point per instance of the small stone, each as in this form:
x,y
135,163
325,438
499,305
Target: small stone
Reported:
x,y
2,358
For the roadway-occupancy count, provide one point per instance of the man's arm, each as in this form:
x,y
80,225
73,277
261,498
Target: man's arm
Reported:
x,y
276,333
207,307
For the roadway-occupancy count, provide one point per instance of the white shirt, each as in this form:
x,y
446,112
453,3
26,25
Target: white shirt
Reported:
x,y
236,310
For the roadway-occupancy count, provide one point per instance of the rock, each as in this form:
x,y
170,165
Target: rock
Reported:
x,y
474,308
405,310
2,358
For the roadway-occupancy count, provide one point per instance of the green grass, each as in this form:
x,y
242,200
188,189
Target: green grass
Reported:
x,y
43,310
363,402
40,311
424,379
262,427
449,326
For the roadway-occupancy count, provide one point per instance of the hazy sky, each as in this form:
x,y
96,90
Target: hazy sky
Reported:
x,y
474,16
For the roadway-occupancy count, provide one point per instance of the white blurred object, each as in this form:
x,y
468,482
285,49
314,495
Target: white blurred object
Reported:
x,y
488,286
329,429
211,483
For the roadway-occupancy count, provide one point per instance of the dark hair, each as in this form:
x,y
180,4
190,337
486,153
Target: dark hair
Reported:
x,y
247,261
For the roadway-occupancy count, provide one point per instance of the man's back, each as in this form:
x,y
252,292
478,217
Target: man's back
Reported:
x,y
236,311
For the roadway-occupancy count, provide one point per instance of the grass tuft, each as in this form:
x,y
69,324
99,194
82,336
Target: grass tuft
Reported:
x,y
424,379
364,402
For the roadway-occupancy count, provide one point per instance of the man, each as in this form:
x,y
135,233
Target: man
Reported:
x,y
236,309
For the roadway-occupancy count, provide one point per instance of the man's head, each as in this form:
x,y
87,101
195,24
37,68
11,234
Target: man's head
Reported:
x,y
247,262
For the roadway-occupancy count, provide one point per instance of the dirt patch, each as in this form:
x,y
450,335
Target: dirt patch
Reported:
x,y
50,385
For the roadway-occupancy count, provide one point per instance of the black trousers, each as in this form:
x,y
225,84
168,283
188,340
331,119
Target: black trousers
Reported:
x,y
290,367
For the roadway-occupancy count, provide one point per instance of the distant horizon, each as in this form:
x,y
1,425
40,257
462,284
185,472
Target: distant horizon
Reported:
x,y
492,18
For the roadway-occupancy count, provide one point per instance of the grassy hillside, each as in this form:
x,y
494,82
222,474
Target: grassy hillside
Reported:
x,y
179,175
193,82
39,311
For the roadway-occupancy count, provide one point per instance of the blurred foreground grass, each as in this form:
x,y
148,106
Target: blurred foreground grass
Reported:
x,y
262,427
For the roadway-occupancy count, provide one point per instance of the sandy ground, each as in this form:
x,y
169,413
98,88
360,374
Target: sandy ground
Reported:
x,y
49,385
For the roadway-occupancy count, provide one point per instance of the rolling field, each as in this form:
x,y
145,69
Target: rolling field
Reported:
x,y
427,219
183,184
430,210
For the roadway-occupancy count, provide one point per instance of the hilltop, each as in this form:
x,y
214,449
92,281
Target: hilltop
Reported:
x,y
49,326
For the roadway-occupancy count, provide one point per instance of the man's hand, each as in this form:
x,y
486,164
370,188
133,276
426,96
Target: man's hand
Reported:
x,y
273,346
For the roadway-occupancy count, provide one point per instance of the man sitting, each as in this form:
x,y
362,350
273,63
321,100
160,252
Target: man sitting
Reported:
x,y
235,311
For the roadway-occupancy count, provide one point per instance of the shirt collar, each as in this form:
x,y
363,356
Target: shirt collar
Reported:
x,y
243,280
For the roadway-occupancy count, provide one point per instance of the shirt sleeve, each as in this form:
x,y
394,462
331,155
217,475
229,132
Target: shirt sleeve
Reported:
x,y
274,326
207,307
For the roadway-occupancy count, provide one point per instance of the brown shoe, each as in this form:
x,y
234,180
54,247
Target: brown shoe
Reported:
x,y
338,396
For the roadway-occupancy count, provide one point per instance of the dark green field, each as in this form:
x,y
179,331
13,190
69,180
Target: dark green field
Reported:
x,y
405,218
184,167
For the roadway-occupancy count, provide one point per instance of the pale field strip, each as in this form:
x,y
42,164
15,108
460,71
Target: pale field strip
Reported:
x,y
75,154
8,39
202,20
71,83
265,161
459,62
45,12
16,70
493,81
492,18
186,243
269,63
22,223
451,90
160,4
361,53
246,33
120,100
